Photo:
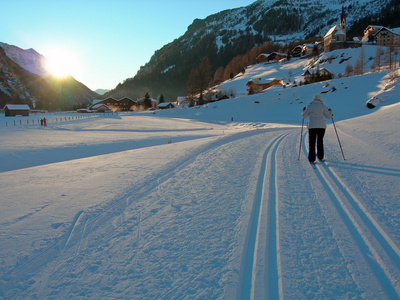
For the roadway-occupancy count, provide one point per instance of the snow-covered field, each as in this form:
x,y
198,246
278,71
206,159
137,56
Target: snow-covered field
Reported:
x,y
187,204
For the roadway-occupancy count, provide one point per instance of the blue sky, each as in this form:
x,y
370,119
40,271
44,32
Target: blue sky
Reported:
x,y
108,41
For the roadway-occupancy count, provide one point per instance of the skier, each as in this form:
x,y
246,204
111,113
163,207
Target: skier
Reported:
x,y
316,110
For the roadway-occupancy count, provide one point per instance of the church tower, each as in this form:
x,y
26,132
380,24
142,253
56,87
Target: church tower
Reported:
x,y
343,21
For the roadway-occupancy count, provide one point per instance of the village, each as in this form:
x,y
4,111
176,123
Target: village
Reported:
x,y
335,38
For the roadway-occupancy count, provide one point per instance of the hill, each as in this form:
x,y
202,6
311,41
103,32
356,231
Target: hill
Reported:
x,y
24,79
225,35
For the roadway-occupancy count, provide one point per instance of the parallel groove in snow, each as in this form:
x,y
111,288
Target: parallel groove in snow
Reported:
x,y
256,252
342,197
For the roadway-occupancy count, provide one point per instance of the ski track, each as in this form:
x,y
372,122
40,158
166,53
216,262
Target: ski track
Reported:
x,y
94,223
261,275
378,250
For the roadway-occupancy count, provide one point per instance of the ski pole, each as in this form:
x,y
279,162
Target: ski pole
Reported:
x,y
301,137
341,149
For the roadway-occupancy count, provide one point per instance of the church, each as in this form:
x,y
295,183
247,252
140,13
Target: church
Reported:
x,y
336,36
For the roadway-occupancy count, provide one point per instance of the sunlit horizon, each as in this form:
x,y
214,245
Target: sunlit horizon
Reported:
x,y
61,62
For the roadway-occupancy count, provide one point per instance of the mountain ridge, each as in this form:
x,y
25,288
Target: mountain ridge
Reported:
x,y
232,32
24,79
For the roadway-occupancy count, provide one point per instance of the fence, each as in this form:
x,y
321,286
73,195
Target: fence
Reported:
x,y
39,119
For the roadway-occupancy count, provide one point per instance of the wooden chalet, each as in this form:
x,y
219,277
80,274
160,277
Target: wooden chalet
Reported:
x,y
101,108
12,110
308,75
256,86
274,56
306,49
123,104
127,104
166,105
183,101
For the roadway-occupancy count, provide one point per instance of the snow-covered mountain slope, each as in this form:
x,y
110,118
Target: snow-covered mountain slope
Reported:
x,y
24,79
185,203
28,59
233,32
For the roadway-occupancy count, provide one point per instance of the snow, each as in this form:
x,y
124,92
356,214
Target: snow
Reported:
x,y
29,59
17,107
188,204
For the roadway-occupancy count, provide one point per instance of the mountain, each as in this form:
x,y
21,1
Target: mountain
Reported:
x,y
24,79
29,59
101,91
224,35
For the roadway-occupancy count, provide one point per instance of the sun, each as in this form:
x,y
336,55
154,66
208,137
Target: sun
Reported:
x,y
61,62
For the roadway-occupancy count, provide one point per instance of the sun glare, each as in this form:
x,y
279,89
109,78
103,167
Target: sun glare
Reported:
x,y
61,63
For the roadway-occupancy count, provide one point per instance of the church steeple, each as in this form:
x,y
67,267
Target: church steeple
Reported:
x,y
343,20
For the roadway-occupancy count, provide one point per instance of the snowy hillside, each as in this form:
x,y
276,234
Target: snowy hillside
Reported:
x,y
187,204
29,59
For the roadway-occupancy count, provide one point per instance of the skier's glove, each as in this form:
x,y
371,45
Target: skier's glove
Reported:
x,y
304,108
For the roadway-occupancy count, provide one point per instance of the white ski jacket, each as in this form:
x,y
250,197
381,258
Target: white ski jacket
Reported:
x,y
316,110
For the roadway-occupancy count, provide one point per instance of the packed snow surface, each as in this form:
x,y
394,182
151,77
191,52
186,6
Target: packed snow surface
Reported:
x,y
209,202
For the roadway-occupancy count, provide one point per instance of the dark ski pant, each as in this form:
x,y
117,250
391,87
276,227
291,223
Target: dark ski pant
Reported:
x,y
316,135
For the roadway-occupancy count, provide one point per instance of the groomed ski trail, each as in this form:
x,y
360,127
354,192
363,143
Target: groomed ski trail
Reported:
x,y
261,271
376,247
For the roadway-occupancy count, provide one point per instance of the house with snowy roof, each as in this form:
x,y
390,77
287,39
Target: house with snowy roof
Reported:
x,y
12,110
166,105
274,56
306,49
381,35
123,104
370,32
257,85
184,101
388,37
101,108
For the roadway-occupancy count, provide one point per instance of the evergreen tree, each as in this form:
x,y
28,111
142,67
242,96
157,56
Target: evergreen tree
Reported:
x,y
147,101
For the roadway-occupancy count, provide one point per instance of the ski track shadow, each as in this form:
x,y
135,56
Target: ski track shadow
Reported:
x,y
366,168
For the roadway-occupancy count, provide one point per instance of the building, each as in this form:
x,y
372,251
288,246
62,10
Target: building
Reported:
x,y
123,104
101,108
270,57
336,36
166,105
184,101
256,86
12,110
306,49
388,37
370,32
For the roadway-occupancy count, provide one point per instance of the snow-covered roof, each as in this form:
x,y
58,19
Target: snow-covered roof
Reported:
x,y
17,107
392,30
334,30
96,101
396,30
99,105
165,104
181,99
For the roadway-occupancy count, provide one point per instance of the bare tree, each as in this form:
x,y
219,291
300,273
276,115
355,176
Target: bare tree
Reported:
x,y
378,59
349,69
359,66
199,79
